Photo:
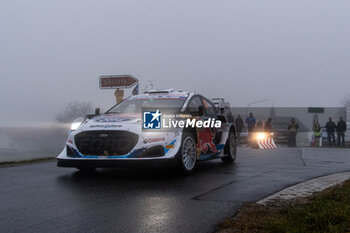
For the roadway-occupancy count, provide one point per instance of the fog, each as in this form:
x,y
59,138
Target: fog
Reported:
x,y
295,53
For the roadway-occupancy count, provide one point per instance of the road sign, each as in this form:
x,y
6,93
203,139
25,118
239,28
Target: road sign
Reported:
x,y
117,81
315,110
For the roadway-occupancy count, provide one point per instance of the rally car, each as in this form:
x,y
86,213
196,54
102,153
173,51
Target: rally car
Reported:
x,y
121,136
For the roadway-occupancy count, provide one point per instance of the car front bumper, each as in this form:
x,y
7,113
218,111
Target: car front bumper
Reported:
x,y
113,163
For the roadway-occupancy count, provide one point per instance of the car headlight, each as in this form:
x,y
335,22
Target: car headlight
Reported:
x,y
261,136
76,123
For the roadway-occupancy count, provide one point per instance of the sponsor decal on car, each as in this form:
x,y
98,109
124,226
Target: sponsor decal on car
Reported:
x,y
152,140
169,146
107,126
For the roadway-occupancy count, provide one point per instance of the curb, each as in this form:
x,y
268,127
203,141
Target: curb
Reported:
x,y
307,188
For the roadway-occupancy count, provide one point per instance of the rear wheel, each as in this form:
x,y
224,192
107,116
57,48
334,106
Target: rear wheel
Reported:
x,y
187,154
230,149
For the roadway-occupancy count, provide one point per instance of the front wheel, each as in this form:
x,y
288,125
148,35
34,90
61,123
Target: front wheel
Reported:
x,y
187,154
230,149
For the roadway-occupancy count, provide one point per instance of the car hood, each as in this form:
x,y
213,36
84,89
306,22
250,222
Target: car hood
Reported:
x,y
111,121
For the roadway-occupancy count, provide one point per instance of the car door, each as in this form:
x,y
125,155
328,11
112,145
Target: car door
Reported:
x,y
205,136
210,111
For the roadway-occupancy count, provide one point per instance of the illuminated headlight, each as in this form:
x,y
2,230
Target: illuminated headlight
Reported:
x,y
261,136
76,123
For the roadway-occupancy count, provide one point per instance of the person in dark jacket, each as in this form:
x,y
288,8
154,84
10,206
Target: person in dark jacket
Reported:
x,y
259,127
330,127
229,115
251,125
293,130
268,125
239,126
341,128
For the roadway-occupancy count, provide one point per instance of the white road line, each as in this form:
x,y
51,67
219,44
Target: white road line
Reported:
x,y
307,188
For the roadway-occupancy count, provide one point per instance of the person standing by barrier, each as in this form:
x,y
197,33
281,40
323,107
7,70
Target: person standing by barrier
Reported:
x,y
341,128
251,125
317,132
239,126
330,127
293,130
229,115
268,125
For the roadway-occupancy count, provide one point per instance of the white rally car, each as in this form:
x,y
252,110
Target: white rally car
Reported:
x,y
118,137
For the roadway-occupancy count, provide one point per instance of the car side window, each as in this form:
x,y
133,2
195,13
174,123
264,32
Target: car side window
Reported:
x,y
194,104
209,108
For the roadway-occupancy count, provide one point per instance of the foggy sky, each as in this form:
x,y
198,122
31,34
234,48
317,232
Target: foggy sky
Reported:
x,y
296,53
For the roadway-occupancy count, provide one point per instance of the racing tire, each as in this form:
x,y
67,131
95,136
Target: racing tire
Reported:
x,y
230,150
187,154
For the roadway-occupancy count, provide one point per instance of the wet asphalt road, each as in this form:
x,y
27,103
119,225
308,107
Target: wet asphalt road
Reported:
x,y
43,198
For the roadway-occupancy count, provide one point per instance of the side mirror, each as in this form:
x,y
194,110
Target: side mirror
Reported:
x,y
97,111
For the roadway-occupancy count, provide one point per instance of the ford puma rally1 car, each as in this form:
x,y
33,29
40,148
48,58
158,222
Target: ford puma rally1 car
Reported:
x,y
127,134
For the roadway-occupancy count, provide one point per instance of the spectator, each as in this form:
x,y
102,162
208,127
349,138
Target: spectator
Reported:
x,y
251,125
229,115
239,126
341,128
330,127
317,132
259,126
268,125
293,130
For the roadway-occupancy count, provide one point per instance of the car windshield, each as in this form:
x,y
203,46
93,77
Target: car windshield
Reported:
x,y
136,105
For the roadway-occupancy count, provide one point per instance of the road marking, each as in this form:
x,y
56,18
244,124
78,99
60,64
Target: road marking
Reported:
x,y
302,157
307,188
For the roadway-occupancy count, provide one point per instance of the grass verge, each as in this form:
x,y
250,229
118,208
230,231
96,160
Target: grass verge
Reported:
x,y
327,211
24,162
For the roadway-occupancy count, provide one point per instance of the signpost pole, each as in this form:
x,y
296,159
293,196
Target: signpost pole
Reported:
x,y
119,95
119,83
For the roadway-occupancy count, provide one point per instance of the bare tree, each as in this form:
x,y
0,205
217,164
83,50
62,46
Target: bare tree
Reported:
x,y
74,110
346,101
346,104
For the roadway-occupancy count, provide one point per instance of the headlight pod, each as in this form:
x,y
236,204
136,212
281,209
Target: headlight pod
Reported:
x,y
263,135
76,123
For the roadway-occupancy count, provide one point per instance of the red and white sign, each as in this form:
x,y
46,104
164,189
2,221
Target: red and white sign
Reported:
x,y
267,143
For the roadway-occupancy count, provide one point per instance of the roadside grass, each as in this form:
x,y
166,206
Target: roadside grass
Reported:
x,y
327,211
24,162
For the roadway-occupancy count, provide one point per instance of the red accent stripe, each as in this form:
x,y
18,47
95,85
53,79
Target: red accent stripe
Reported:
x,y
265,144
269,143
